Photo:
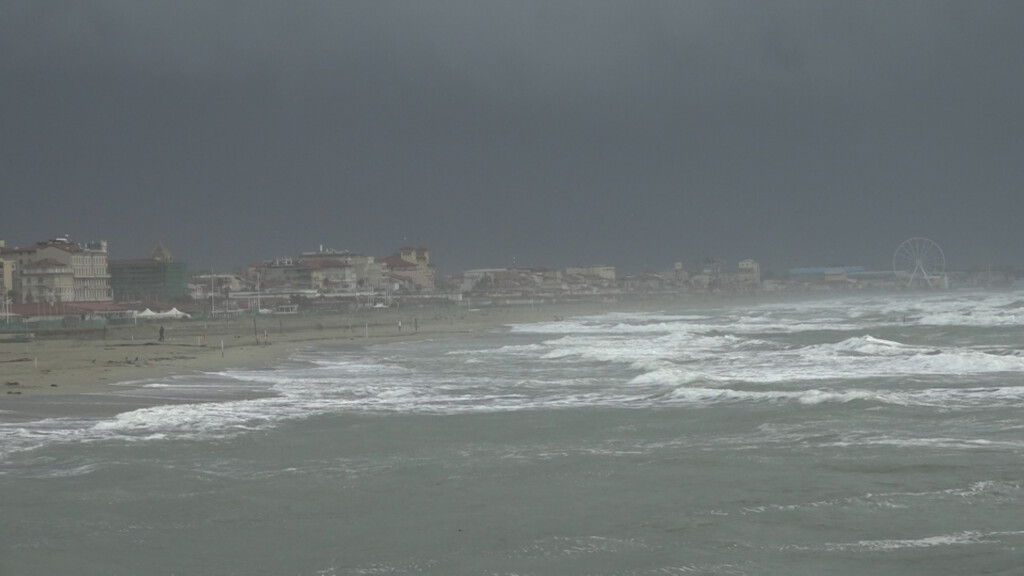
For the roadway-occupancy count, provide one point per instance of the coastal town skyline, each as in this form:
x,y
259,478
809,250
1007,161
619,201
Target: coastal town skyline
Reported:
x,y
144,250
635,264
62,271
795,134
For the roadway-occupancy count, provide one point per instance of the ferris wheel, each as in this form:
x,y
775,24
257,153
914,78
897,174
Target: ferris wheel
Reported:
x,y
920,262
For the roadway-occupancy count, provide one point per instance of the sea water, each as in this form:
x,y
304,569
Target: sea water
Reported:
x,y
861,435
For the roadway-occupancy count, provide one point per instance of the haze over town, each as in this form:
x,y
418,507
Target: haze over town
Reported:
x,y
530,133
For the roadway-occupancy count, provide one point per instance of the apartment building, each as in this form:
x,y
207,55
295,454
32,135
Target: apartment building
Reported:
x,y
85,265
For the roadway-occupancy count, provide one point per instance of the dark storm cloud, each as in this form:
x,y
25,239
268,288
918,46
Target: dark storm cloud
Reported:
x,y
550,132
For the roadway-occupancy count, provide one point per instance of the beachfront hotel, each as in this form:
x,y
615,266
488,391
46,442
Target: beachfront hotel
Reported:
x,y
58,270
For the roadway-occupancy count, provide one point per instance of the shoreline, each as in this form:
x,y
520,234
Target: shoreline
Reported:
x,y
93,362
110,361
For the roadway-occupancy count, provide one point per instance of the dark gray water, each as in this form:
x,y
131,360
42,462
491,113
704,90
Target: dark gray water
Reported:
x,y
817,438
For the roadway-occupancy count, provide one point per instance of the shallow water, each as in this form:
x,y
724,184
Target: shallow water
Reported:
x,y
864,435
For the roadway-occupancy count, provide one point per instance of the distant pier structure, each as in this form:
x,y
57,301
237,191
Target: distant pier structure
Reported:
x,y
920,263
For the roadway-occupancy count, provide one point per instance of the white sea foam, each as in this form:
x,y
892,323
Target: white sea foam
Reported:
x,y
723,347
868,346
932,443
711,358
956,539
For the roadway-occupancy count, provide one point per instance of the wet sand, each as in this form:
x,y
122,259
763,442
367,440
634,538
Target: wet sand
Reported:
x,y
93,362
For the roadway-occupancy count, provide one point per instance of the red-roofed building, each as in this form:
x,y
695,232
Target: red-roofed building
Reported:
x,y
87,264
412,265
330,275
326,270
368,272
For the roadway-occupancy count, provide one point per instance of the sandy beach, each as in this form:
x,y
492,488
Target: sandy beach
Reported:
x,y
90,362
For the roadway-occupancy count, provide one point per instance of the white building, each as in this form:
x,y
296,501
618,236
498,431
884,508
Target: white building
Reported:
x,y
749,273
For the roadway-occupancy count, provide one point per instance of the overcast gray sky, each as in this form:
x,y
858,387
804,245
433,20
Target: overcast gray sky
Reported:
x,y
552,133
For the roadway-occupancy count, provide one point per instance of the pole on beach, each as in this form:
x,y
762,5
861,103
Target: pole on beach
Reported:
x,y
366,329
221,348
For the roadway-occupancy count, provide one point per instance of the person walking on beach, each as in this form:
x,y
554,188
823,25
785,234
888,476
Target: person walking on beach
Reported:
x,y
161,333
